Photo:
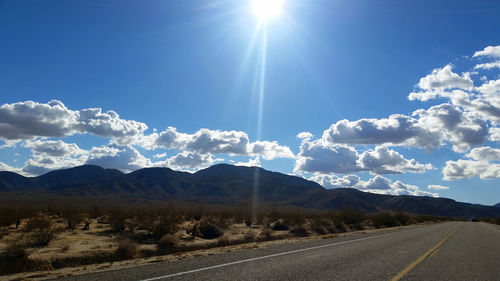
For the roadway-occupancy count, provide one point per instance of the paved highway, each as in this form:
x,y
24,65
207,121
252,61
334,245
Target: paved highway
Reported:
x,y
448,251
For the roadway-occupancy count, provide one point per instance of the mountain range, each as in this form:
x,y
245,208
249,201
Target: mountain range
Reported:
x,y
226,184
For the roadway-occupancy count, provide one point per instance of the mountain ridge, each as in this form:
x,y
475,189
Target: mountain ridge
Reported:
x,y
227,184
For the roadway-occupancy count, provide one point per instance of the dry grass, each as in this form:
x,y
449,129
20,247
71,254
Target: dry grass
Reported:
x,y
56,237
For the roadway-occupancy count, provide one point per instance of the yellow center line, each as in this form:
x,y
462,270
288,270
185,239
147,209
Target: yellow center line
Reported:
x,y
435,252
419,260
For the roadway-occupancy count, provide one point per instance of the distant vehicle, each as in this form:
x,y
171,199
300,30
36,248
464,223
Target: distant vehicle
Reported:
x,y
473,219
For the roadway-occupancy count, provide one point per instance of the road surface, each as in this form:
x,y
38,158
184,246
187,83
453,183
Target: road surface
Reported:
x,y
448,251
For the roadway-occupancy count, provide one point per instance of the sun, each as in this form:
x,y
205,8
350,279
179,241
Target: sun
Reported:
x,y
267,9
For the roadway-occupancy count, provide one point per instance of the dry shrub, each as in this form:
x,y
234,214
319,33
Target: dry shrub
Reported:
x,y
224,240
127,250
267,234
41,228
320,225
167,244
300,231
351,217
209,230
384,219
250,236
165,224
117,221
401,217
14,258
280,225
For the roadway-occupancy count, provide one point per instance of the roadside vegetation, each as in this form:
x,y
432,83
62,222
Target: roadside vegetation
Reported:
x,y
58,235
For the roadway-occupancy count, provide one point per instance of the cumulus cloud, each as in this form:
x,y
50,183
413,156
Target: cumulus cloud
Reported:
x,y
445,78
29,119
377,184
216,142
304,135
398,129
252,162
490,51
54,148
322,157
482,162
124,158
319,156
5,167
187,160
494,134
437,187
50,155
488,65
386,161
460,128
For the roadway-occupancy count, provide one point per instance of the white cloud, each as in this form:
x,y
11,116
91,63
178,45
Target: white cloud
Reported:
x,y
484,153
54,148
398,129
160,155
50,155
304,135
488,65
490,51
386,161
252,162
319,156
187,160
8,168
269,150
494,134
437,187
445,78
460,128
322,157
483,162
28,120
216,142
377,184
124,158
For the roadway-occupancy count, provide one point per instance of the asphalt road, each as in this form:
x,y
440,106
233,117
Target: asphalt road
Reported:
x,y
448,251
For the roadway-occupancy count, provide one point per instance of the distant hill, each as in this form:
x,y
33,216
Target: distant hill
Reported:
x,y
226,184
497,205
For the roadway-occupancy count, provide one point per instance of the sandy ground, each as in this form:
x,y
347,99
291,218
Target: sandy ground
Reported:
x,y
87,243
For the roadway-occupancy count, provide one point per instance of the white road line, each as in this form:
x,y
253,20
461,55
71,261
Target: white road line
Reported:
x,y
265,257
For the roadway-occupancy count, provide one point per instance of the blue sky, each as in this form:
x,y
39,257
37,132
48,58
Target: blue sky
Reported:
x,y
187,84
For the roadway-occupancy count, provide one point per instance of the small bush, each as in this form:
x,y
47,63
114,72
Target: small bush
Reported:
x,y
165,224
320,225
167,244
300,231
267,234
280,225
402,218
350,216
41,229
224,240
384,219
250,236
209,230
14,258
248,221
117,221
126,250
